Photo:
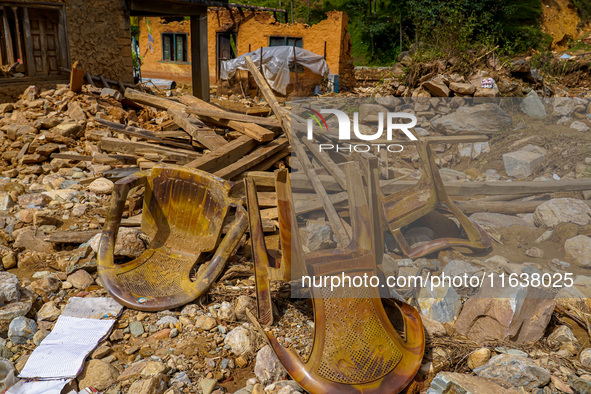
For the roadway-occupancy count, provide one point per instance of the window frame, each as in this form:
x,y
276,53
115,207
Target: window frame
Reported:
x,y
286,40
173,47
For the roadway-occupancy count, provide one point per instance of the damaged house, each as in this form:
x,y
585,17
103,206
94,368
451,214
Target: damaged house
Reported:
x,y
232,32
39,40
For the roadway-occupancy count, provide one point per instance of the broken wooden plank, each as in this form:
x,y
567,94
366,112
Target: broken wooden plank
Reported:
x,y
269,97
221,114
124,146
104,81
252,159
227,154
204,135
505,207
72,237
76,77
328,163
7,36
140,133
272,160
252,130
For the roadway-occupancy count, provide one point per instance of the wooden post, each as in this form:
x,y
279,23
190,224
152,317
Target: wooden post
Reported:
x,y
199,64
30,62
63,41
7,37
104,81
76,77
18,34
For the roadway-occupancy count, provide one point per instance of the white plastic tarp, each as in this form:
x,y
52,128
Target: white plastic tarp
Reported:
x,y
276,63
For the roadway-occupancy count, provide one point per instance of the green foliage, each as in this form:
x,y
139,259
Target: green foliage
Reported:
x,y
584,8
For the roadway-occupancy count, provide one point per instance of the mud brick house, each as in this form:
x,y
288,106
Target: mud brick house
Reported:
x,y
232,32
39,39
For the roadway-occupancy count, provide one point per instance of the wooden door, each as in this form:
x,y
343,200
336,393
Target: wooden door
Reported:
x,y
45,39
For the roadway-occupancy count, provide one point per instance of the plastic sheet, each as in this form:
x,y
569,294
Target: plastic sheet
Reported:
x,y
276,64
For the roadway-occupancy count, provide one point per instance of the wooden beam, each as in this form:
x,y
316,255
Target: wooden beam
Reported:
x,y
269,96
252,159
7,37
151,100
211,113
199,64
131,147
140,133
252,130
201,133
76,77
89,79
18,34
505,207
227,154
63,39
104,81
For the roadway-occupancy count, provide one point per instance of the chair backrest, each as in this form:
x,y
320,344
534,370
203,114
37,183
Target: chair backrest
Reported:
x,y
185,209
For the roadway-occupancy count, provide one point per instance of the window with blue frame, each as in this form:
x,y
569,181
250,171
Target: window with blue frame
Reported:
x,y
174,47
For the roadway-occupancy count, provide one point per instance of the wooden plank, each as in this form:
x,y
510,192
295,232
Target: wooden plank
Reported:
x,y
227,154
505,207
199,64
76,77
72,237
140,133
252,159
269,96
207,137
63,39
252,130
70,156
89,79
151,100
339,230
125,146
216,113
328,163
272,160
104,81
18,33
7,36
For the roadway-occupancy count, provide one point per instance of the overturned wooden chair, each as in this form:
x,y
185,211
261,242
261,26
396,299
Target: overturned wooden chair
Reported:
x,y
183,214
356,349
417,202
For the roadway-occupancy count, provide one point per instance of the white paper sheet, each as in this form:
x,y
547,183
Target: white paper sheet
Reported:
x,y
39,387
62,353
92,307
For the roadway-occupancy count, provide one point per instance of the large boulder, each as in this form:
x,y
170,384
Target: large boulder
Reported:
x,y
578,250
485,118
533,106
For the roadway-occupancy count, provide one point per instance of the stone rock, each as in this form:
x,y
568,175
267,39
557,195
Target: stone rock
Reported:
x,y
452,382
437,87
563,106
97,374
562,210
318,236
33,200
481,119
7,375
207,385
15,309
432,327
75,111
226,312
40,336
136,328
462,88
205,322
6,107
241,341
68,129
578,250
153,368
441,303
479,357
31,93
31,239
459,268
563,339
585,357
521,164
369,112
111,93
166,321
10,288
81,279
154,385
101,186
268,368
497,220
45,286
533,106
514,371
128,244
21,329
243,303
579,126
473,150
486,92
48,312
534,252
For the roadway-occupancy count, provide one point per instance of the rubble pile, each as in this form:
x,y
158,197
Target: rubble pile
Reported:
x,y
62,152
